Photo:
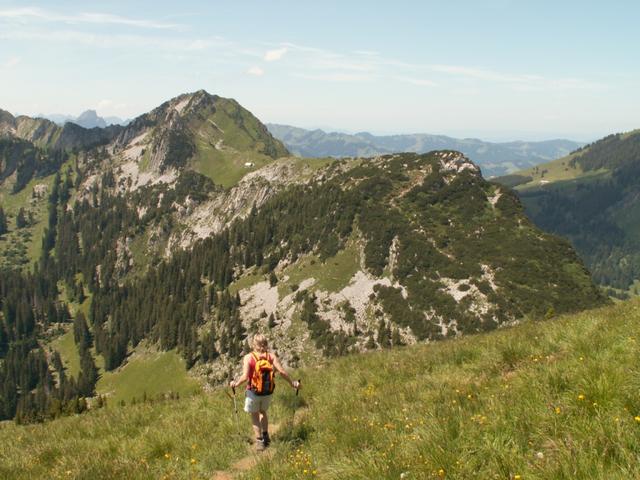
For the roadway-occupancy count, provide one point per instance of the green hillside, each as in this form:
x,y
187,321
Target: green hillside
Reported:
x,y
147,373
551,400
592,199
214,136
23,246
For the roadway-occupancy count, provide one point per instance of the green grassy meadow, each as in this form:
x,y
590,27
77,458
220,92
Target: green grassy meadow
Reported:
x,y
23,245
147,372
557,399
331,275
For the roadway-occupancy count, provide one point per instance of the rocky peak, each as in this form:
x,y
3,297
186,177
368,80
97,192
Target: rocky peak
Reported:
x,y
7,123
456,162
90,119
213,128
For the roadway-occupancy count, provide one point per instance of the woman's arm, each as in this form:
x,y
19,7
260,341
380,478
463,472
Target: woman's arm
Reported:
x,y
283,372
245,374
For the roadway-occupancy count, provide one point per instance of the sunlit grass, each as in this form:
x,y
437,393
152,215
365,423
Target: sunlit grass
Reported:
x,y
190,438
545,400
147,373
66,346
331,275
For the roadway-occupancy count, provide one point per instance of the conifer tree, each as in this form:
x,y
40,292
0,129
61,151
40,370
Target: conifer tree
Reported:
x,y
3,222
21,220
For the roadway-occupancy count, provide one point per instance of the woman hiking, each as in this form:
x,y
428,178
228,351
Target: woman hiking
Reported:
x,y
258,370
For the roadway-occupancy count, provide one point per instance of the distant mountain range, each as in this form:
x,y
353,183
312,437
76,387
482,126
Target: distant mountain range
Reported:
x,y
87,119
495,159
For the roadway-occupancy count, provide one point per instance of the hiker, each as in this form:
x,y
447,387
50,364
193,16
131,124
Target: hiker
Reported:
x,y
258,371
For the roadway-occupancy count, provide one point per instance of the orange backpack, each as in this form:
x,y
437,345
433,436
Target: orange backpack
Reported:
x,y
262,380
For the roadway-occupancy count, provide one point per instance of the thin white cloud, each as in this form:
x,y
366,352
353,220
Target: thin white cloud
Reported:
x,y
335,77
365,65
255,71
34,13
277,54
421,82
478,73
518,82
12,62
128,41
366,53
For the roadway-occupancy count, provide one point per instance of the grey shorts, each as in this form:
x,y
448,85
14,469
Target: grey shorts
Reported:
x,y
255,403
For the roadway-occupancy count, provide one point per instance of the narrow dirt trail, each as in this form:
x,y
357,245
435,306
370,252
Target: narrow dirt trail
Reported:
x,y
249,461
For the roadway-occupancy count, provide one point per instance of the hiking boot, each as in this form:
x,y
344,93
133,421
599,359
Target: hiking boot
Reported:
x,y
260,445
266,439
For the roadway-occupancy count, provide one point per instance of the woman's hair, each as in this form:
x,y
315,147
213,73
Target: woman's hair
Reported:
x,y
260,342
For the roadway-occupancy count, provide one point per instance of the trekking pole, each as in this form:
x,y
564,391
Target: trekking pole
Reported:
x,y
295,405
235,409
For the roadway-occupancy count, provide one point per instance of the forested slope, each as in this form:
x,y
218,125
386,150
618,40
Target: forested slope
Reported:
x,y
596,208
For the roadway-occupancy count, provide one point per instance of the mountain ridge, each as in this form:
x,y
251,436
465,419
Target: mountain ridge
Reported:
x,y
87,119
494,158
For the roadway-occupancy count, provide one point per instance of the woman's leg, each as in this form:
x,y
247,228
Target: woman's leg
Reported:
x,y
256,423
264,421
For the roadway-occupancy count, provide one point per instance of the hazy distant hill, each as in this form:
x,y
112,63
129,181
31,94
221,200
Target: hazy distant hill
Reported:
x,y
494,158
87,119
591,197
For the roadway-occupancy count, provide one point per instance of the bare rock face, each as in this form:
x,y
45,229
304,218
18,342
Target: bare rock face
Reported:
x,y
456,162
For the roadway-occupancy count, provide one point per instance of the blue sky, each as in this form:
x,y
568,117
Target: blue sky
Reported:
x,y
494,69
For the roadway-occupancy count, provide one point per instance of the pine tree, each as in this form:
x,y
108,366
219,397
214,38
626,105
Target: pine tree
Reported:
x,y
384,336
88,374
3,222
21,220
396,338
81,334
